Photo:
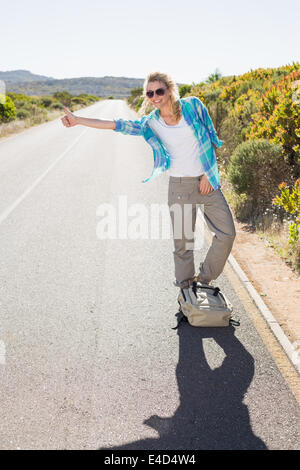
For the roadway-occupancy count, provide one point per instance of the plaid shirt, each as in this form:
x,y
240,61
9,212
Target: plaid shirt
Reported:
x,y
196,115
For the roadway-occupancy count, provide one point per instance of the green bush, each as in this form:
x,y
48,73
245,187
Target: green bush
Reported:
x,y
19,97
139,103
64,97
22,103
56,105
7,110
46,101
80,100
12,95
23,114
278,118
85,99
134,93
184,89
89,98
256,169
290,201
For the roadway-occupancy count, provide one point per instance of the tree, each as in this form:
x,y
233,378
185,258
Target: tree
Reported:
x,y
214,76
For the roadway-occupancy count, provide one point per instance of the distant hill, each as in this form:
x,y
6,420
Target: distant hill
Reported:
x,y
23,81
15,76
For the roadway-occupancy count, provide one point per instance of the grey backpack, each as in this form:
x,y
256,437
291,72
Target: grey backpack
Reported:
x,y
204,305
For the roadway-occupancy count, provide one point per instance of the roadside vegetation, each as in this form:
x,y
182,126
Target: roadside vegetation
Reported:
x,y
257,115
19,111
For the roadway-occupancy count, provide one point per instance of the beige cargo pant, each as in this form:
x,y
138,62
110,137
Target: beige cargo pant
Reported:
x,y
184,200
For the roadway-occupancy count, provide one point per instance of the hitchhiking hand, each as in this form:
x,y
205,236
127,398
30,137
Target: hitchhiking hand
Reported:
x,y
69,120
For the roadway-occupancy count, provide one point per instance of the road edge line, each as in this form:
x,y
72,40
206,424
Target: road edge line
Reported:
x,y
271,321
266,313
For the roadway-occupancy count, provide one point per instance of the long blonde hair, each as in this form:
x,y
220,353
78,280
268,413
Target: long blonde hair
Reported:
x,y
171,85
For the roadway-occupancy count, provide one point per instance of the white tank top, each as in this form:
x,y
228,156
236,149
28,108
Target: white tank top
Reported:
x,y
181,145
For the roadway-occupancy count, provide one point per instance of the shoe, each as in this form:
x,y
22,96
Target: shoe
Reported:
x,y
199,280
203,283
184,284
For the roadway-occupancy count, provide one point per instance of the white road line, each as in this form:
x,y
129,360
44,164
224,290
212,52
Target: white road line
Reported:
x,y
18,201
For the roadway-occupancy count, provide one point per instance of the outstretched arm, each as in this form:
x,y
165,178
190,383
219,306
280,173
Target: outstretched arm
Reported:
x,y
70,120
118,125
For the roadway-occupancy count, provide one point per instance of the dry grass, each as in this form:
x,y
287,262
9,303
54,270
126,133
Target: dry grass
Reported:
x,y
19,125
276,236
267,226
13,127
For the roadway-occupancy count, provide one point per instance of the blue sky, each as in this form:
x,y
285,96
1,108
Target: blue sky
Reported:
x,y
189,39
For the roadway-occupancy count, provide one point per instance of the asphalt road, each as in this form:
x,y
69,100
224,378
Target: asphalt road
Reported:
x,y
88,358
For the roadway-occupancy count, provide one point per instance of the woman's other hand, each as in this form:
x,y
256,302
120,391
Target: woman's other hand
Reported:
x,y
205,186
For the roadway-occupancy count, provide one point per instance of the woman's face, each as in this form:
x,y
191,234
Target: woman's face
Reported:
x,y
157,100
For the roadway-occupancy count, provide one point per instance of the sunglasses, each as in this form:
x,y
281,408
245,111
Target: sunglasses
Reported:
x,y
159,92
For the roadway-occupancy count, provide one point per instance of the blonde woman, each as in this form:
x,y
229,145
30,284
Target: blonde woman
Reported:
x,y
182,137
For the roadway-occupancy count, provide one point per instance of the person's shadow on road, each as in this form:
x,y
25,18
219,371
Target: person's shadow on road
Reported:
x,y
211,414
